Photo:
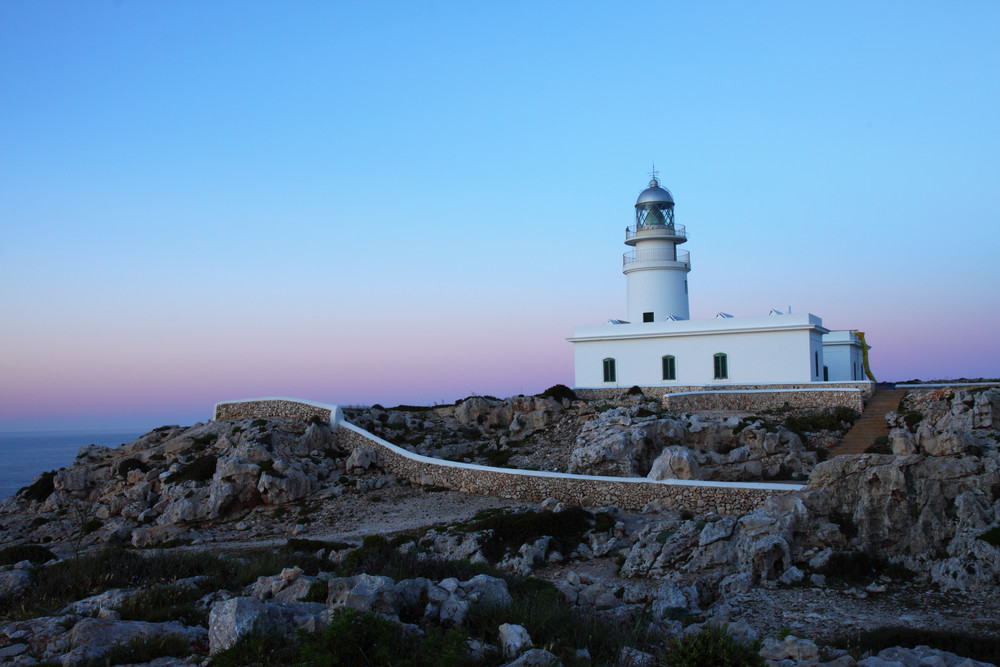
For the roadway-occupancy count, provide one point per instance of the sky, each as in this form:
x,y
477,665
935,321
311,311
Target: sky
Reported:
x,y
412,202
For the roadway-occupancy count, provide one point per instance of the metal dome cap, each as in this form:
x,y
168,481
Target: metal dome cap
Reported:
x,y
654,194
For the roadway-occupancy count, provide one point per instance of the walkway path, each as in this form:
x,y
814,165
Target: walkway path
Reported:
x,y
871,424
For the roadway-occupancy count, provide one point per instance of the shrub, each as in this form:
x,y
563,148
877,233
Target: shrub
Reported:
x,y
498,457
712,646
130,464
879,446
857,566
635,390
41,488
911,418
30,552
837,419
510,531
199,470
975,645
992,536
158,604
144,649
559,392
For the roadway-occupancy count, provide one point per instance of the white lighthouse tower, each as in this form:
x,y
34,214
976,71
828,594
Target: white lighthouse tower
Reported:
x,y
656,271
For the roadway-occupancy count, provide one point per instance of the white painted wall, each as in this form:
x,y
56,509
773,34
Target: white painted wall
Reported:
x,y
844,356
769,349
661,291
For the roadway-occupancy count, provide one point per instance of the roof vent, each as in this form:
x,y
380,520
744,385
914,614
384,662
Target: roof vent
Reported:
x,y
723,316
618,322
775,311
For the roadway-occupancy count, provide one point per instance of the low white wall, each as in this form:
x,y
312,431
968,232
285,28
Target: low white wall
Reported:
x,y
631,493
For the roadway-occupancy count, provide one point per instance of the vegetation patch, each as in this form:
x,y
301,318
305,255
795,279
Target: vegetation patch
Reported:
x,y
31,552
852,567
200,470
559,392
831,419
510,531
142,650
879,446
130,464
992,536
712,645
41,488
159,604
975,645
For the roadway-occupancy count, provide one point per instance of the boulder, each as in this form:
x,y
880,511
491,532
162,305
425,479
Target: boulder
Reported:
x,y
513,639
229,620
14,582
675,463
363,592
361,459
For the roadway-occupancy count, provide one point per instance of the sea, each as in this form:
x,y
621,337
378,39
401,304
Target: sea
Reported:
x,y
24,454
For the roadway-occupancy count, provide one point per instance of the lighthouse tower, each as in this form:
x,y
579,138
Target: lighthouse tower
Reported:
x,y
656,271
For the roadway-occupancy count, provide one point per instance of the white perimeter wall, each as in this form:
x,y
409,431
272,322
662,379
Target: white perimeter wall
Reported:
x,y
754,357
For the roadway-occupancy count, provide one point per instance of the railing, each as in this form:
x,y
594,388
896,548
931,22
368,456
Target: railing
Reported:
x,y
676,231
657,255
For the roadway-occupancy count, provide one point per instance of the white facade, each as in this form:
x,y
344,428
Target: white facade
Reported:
x,y
758,350
843,356
660,346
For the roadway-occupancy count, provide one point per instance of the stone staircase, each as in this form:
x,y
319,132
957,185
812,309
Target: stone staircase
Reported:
x,y
871,424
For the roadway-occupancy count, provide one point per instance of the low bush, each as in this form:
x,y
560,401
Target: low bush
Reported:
x,y
880,445
559,392
712,646
30,552
635,390
143,649
854,567
41,488
158,604
200,470
992,536
510,531
975,645
130,464
838,419
352,638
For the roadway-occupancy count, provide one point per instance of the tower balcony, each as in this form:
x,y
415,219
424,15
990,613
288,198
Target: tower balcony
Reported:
x,y
671,232
665,257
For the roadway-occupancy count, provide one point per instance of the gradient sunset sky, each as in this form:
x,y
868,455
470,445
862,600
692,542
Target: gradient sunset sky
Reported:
x,y
416,201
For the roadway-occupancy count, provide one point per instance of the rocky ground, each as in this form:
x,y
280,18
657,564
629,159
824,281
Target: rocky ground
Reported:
x,y
905,538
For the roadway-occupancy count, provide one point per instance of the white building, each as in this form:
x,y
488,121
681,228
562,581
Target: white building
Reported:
x,y
659,346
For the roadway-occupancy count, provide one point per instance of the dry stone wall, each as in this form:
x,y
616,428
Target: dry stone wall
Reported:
x,y
532,486
747,396
275,407
629,493
764,399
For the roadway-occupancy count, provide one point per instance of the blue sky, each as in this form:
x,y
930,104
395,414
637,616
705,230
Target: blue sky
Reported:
x,y
411,202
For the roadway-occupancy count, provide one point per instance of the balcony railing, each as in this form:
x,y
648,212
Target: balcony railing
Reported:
x,y
658,231
657,255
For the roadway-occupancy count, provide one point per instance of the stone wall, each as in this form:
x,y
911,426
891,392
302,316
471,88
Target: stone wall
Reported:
x,y
764,399
595,393
630,493
290,408
849,394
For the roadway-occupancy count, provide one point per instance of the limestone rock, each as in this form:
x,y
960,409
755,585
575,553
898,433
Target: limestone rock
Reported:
x,y
14,582
675,463
513,639
361,459
363,592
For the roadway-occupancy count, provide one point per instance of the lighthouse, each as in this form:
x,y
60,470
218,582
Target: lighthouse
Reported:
x,y
655,270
